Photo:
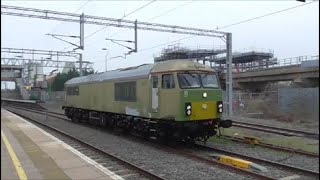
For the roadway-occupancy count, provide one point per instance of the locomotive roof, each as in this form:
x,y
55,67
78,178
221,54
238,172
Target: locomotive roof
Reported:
x,y
179,65
139,71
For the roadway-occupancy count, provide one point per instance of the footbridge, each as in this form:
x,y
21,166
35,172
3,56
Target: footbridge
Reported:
x,y
302,70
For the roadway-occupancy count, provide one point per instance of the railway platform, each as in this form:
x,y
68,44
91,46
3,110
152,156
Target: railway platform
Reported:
x,y
28,152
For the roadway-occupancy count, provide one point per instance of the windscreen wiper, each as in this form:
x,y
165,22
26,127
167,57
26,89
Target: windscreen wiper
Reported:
x,y
188,72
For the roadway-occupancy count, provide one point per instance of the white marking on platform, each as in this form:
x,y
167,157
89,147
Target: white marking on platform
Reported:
x,y
25,125
54,143
290,177
82,156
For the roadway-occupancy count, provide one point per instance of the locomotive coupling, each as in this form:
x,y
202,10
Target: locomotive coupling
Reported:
x,y
225,123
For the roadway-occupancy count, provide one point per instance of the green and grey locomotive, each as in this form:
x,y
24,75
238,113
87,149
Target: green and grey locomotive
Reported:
x,y
177,99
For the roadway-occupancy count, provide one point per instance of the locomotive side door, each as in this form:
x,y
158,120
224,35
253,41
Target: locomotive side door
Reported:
x,y
154,93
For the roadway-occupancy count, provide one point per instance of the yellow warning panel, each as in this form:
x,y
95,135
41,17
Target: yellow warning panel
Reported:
x,y
240,163
243,164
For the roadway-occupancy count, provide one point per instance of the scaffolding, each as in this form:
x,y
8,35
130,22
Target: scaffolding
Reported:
x,y
177,52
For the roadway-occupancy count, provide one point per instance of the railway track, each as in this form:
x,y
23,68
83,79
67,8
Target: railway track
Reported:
x,y
275,130
106,159
209,161
271,146
169,149
259,160
264,128
245,125
279,148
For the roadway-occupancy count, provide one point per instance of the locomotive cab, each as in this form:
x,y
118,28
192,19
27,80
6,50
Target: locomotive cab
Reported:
x,y
188,94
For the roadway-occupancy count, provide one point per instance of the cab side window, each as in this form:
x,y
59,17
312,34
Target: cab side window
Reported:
x,y
73,91
167,81
154,81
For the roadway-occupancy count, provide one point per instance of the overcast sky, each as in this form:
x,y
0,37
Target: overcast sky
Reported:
x,y
291,33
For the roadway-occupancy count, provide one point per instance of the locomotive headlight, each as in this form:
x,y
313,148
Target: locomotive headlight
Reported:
x,y
219,106
188,112
204,95
188,109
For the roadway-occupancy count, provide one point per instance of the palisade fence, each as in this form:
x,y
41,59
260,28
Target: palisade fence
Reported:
x,y
285,104
54,96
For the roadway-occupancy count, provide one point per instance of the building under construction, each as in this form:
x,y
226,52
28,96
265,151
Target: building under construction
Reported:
x,y
177,52
216,58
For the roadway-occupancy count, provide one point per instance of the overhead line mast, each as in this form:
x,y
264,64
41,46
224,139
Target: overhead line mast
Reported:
x,y
121,23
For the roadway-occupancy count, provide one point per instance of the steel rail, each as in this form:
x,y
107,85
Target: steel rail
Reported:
x,y
208,161
276,130
110,155
255,159
172,150
271,146
236,139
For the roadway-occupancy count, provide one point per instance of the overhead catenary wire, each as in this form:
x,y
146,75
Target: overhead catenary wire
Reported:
x,y
55,28
276,12
157,16
162,14
170,10
119,19
233,24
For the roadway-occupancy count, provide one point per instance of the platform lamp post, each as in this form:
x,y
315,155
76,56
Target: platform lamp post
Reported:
x,y
48,58
20,57
106,57
49,86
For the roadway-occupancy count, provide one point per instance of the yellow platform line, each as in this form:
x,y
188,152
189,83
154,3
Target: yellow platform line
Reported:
x,y
17,165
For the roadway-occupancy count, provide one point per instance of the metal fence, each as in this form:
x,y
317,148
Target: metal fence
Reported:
x,y
55,96
302,61
252,104
291,104
300,102
271,63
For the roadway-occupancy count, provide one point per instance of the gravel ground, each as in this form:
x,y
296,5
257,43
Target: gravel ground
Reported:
x,y
53,106
282,157
311,145
56,107
171,166
272,171
306,162
314,128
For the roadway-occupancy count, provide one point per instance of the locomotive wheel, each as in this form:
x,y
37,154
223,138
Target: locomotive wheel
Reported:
x,y
83,118
73,119
103,120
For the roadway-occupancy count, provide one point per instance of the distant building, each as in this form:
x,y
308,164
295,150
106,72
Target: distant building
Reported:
x,y
68,66
35,68
51,78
